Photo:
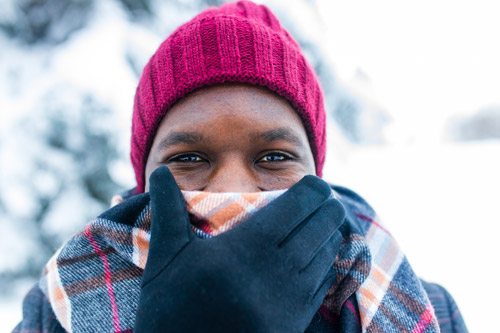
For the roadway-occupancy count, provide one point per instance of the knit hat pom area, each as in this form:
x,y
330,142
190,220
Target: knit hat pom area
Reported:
x,y
239,42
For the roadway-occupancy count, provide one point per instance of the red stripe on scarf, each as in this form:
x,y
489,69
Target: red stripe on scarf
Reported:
x,y
107,274
366,218
425,320
327,314
355,313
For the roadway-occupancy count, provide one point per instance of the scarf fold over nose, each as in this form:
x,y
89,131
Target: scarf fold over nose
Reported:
x,y
214,213
93,282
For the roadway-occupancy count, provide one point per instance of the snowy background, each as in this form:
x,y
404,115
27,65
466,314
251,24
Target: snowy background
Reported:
x,y
413,98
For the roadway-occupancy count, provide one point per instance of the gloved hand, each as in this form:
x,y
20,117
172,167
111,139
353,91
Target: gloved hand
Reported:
x,y
269,273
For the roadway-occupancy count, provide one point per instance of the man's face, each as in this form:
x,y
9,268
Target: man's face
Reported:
x,y
232,138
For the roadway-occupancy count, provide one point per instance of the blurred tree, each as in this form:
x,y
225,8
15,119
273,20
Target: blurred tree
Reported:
x,y
46,21
64,158
482,125
212,2
138,8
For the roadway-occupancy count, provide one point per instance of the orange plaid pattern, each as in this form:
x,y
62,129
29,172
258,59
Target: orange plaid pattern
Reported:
x,y
386,259
219,212
56,293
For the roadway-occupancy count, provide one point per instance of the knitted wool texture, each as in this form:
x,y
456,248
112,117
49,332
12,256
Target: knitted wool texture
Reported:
x,y
238,42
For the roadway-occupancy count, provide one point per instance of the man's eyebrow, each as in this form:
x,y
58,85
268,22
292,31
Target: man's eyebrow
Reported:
x,y
282,133
175,138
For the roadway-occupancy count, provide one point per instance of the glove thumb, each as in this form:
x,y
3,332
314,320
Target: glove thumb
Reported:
x,y
170,229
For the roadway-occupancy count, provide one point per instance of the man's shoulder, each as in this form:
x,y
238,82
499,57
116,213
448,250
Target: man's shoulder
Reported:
x,y
446,310
38,315
353,202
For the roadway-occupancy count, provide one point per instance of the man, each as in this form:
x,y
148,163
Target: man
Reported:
x,y
230,227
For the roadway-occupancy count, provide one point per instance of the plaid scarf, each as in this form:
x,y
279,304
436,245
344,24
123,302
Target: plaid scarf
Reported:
x,y
93,281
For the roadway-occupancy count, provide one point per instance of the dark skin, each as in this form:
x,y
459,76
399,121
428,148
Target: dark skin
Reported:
x,y
232,138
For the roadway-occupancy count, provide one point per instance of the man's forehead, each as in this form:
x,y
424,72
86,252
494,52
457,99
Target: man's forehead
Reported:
x,y
193,137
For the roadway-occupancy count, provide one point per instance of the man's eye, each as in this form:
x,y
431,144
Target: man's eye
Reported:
x,y
186,159
274,157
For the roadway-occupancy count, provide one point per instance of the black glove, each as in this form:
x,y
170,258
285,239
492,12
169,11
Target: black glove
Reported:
x,y
269,273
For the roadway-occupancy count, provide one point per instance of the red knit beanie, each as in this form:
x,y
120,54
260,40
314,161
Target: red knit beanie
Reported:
x,y
238,42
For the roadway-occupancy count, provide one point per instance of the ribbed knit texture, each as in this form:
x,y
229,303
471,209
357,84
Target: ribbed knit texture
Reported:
x,y
238,42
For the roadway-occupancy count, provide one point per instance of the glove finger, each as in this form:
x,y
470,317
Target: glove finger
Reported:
x,y
322,290
316,232
273,223
321,271
170,229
